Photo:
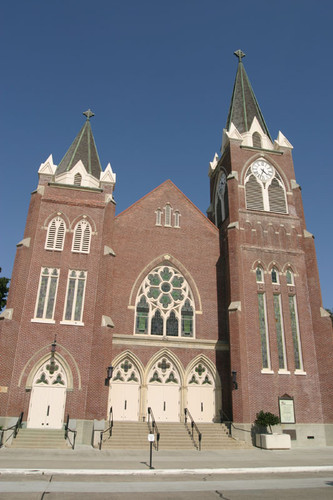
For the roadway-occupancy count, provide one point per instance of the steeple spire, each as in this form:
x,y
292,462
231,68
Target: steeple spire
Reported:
x,y
83,148
244,105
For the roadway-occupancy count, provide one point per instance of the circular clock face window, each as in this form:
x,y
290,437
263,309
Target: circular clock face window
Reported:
x,y
262,170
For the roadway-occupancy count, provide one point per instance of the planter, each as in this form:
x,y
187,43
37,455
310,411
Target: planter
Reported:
x,y
273,441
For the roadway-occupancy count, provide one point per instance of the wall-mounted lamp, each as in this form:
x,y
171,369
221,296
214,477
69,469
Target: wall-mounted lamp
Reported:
x,y
109,374
52,367
234,379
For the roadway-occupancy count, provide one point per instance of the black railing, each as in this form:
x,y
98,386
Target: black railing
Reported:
x,y
153,429
15,428
109,429
194,427
67,430
230,425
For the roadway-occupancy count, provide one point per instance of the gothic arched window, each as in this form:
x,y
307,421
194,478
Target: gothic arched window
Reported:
x,y
275,276
55,234
82,237
259,275
164,304
264,188
256,140
221,199
77,179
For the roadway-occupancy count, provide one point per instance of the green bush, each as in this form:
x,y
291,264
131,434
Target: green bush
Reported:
x,y
266,419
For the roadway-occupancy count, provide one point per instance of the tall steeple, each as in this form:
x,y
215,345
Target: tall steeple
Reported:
x,y
83,148
244,105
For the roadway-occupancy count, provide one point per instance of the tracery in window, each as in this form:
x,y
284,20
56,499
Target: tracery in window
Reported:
x,y
82,237
264,188
47,292
165,305
55,234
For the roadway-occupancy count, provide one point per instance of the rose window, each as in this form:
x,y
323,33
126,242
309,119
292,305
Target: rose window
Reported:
x,y
164,304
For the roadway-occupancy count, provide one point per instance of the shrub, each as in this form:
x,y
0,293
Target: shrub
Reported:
x,y
266,419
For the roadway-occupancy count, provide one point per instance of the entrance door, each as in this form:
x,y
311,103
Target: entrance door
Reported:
x,y
164,391
164,401
124,399
201,394
124,393
48,397
47,407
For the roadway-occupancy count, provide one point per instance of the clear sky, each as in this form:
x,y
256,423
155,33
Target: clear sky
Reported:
x,y
159,76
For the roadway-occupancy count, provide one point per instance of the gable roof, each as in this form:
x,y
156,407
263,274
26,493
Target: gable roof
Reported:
x,y
170,184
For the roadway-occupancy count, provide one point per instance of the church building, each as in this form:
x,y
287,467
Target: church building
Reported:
x,y
163,307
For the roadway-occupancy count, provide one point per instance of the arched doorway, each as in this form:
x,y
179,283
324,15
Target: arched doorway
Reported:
x,y
201,393
124,394
164,390
48,396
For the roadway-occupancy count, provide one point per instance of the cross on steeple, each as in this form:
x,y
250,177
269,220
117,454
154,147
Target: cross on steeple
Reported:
x,y
89,114
240,54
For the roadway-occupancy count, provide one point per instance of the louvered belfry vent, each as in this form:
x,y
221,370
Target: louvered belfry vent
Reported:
x,y
82,237
277,202
55,234
254,198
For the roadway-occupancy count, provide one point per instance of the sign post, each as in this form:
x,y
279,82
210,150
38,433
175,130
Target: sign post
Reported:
x,y
151,439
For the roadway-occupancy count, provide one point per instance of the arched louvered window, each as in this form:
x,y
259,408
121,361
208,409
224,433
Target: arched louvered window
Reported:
x,y
164,304
55,234
264,188
82,237
77,179
254,194
256,140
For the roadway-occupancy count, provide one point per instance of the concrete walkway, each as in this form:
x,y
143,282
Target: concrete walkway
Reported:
x,y
85,460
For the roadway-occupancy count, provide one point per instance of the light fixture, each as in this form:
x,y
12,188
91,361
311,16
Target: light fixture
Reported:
x,y
234,379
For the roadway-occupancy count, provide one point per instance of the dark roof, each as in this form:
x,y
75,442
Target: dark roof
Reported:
x,y
244,105
83,148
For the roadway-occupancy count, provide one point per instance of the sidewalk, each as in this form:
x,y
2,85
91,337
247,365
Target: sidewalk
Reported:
x,y
84,460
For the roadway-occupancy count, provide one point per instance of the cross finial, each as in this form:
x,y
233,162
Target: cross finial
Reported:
x,y
240,54
89,114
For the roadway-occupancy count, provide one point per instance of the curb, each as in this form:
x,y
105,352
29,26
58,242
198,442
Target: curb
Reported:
x,y
143,472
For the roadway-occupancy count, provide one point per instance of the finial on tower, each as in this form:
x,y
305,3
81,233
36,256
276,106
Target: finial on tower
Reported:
x,y
240,54
89,114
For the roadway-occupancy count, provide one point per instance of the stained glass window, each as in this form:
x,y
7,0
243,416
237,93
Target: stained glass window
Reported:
x,y
165,304
259,275
75,295
289,277
263,330
295,332
279,331
275,275
47,293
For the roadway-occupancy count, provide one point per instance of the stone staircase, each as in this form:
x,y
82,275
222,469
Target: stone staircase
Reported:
x,y
40,438
173,436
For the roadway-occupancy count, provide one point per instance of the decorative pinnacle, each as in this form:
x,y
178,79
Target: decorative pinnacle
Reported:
x,y
240,54
88,114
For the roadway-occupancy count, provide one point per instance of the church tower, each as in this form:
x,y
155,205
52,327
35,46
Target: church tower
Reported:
x,y
55,331
270,302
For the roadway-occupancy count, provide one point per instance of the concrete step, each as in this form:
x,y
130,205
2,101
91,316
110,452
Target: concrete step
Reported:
x,y
40,438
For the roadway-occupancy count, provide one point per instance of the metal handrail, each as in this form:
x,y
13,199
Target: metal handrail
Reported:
x,y
230,423
67,430
152,426
109,429
193,427
15,428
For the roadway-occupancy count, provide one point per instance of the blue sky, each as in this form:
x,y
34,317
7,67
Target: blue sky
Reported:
x,y
159,76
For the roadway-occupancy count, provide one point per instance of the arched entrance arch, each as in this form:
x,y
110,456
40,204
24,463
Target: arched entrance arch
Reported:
x,y
48,396
203,398
164,382
125,388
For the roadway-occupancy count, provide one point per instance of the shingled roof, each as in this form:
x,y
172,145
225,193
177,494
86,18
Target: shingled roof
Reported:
x,y
244,105
83,148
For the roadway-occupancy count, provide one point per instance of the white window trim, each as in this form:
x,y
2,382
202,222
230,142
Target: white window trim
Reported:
x,y
264,190
43,319
72,321
85,225
53,247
